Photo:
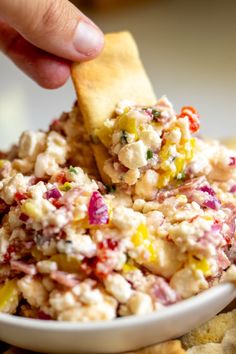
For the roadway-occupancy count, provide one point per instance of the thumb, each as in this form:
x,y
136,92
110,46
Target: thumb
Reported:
x,y
55,26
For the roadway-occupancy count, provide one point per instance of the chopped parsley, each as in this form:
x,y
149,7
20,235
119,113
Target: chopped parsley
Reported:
x,y
156,114
149,154
124,137
73,170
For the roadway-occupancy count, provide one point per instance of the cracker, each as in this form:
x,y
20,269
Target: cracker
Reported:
x,y
229,341
211,332
211,348
171,347
101,83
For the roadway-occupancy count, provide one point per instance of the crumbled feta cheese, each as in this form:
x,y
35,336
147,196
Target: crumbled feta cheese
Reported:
x,y
151,138
116,285
126,218
33,291
31,144
122,105
37,191
46,266
61,301
94,312
140,303
167,261
146,187
132,176
188,282
11,185
133,155
4,242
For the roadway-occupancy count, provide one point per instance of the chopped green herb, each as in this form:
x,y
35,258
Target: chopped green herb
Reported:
x,y
156,114
124,137
149,154
73,170
65,187
110,188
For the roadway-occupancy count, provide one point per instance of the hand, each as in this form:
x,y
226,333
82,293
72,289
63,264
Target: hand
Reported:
x,y
42,36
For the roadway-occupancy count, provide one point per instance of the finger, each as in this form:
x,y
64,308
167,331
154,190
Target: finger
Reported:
x,y
55,26
46,69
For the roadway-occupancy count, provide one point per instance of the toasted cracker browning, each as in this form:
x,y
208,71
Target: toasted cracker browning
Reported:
x,y
210,348
211,332
171,347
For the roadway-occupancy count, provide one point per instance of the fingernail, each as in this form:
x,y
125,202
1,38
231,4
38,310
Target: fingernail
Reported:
x,y
87,39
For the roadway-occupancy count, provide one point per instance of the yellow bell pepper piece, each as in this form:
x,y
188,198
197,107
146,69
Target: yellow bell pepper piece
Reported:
x,y
200,264
141,238
128,124
38,255
128,267
179,164
104,134
163,179
66,263
9,297
29,208
2,163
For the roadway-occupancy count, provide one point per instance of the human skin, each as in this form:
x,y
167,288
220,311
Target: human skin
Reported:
x,y
42,37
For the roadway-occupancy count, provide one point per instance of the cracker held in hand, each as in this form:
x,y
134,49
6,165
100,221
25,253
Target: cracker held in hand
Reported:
x,y
100,84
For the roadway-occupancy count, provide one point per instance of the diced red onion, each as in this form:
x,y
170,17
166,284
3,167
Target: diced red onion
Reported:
x,y
163,293
212,203
208,190
186,188
44,316
231,231
232,162
23,267
23,217
216,228
223,260
233,189
66,279
98,210
53,193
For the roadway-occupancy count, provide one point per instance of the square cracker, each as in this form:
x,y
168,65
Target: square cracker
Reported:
x,y
101,83
170,347
212,331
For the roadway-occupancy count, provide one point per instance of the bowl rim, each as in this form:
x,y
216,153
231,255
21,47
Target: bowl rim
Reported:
x,y
134,321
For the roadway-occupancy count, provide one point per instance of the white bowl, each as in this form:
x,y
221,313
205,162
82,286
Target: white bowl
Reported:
x,y
122,334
